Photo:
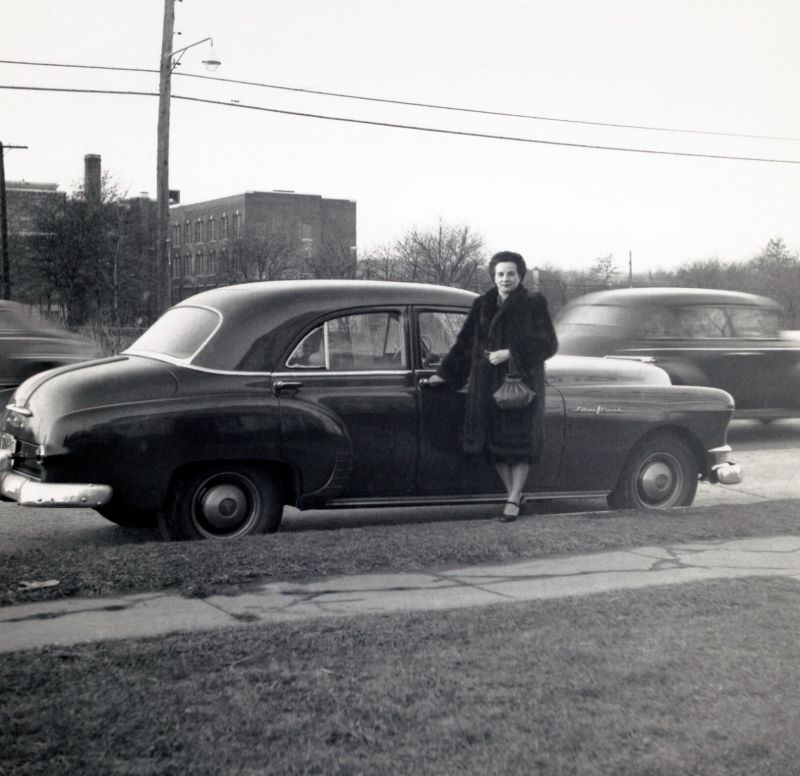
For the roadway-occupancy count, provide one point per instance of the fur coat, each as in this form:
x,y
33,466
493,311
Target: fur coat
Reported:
x,y
522,324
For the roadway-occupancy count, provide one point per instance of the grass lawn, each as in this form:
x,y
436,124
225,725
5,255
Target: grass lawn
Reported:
x,y
692,679
202,568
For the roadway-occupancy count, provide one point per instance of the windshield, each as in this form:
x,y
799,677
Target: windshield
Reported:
x,y
179,333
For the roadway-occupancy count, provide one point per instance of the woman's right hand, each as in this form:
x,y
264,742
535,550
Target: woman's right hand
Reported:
x,y
435,380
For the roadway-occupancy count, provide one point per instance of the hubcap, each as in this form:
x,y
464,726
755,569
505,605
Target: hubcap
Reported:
x,y
226,506
659,481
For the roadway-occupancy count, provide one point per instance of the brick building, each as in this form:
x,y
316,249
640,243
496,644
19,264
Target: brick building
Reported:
x,y
206,237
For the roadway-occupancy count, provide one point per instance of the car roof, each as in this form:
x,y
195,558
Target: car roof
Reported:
x,y
642,297
327,294
283,307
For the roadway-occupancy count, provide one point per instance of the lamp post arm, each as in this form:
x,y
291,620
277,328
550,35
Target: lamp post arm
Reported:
x,y
181,51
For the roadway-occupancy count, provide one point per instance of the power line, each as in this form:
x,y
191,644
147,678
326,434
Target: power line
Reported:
x,y
409,103
417,128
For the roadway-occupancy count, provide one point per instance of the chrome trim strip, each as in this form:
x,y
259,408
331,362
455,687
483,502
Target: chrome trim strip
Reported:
x,y
274,375
489,498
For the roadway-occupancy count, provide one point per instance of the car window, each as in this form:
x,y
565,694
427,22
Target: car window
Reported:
x,y
438,332
363,341
755,322
687,322
179,333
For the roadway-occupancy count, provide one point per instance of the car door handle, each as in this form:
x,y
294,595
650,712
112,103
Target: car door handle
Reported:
x,y
286,385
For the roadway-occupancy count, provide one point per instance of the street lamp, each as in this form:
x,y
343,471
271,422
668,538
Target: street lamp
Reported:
x,y
169,60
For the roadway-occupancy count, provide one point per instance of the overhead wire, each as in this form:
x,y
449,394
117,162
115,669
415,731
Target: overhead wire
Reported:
x,y
417,128
415,104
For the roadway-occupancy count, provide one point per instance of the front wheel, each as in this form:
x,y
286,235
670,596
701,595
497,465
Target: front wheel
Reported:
x,y
660,473
222,502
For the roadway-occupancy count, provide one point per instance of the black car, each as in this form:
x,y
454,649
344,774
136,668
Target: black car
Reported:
x,y
30,344
724,339
242,399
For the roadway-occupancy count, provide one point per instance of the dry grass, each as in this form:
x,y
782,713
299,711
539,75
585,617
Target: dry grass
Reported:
x,y
203,568
696,679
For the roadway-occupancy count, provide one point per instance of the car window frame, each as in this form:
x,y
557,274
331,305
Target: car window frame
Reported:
x,y
399,309
417,330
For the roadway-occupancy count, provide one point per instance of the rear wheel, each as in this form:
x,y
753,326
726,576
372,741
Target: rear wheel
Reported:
x,y
222,502
660,473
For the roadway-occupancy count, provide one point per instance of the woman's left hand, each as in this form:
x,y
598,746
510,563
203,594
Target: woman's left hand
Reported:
x,y
498,356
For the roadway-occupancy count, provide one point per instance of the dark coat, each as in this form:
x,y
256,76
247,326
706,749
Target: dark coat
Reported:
x,y
523,325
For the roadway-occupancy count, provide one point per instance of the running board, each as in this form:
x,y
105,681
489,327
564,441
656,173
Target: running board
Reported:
x,y
493,498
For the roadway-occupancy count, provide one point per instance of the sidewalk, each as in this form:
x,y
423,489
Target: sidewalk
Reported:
x,y
71,621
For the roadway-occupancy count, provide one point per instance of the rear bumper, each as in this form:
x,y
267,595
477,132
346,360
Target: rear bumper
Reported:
x,y
28,492
722,468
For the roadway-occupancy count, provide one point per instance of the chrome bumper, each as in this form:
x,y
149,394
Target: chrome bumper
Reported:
x,y
722,470
32,493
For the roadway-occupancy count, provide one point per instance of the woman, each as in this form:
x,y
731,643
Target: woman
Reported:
x,y
505,323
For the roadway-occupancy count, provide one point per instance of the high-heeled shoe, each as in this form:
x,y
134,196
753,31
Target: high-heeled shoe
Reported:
x,y
510,512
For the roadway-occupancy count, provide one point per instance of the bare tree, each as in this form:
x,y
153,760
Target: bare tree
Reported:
x,y
604,269
382,263
336,258
271,256
447,255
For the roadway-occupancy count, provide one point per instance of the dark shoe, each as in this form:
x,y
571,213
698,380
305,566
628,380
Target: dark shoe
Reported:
x,y
510,512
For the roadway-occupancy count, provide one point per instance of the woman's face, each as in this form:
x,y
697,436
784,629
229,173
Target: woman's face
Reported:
x,y
506,277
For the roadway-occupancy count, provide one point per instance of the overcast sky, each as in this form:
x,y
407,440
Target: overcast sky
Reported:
x,y
711,68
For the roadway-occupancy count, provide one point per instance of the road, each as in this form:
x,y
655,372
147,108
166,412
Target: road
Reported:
x,y
768,455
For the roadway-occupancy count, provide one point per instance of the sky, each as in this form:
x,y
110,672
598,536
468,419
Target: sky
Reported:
x,y
693,75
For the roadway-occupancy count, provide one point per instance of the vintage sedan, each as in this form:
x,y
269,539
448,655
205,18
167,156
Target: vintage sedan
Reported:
x,y
243,399
724,339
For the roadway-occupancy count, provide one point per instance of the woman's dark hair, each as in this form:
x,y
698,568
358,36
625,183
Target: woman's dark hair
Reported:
x,y
516,258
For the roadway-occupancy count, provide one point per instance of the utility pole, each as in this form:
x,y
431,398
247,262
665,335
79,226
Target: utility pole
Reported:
x,y
163,275
169,60
4,221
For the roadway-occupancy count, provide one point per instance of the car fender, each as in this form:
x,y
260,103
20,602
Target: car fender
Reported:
x,y
682,372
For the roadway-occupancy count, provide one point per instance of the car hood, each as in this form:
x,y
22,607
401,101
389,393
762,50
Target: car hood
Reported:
x,y
114,380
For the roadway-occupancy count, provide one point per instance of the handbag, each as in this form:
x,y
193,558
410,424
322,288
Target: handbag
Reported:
x,y
513,394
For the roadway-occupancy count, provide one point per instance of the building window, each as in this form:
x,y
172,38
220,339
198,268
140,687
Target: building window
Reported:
x,y
236,225
224,226
198,231
187,235
212,228
176,235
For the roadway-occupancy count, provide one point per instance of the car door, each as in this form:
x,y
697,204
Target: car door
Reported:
x,y
703,344
443,466
347,395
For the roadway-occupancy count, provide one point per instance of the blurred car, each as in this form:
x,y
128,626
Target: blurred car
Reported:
x,y
724,339
29,345
315,394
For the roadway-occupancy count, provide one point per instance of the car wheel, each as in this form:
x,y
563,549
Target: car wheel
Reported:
x,y
660,473
222,502
128,518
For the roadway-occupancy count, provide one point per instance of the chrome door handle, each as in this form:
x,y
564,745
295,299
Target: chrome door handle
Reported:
x,y
286,385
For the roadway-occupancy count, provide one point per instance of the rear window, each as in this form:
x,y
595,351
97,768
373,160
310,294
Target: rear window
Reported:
x,y
179,333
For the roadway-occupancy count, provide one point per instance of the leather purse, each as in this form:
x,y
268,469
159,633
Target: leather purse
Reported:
x,y
513,394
